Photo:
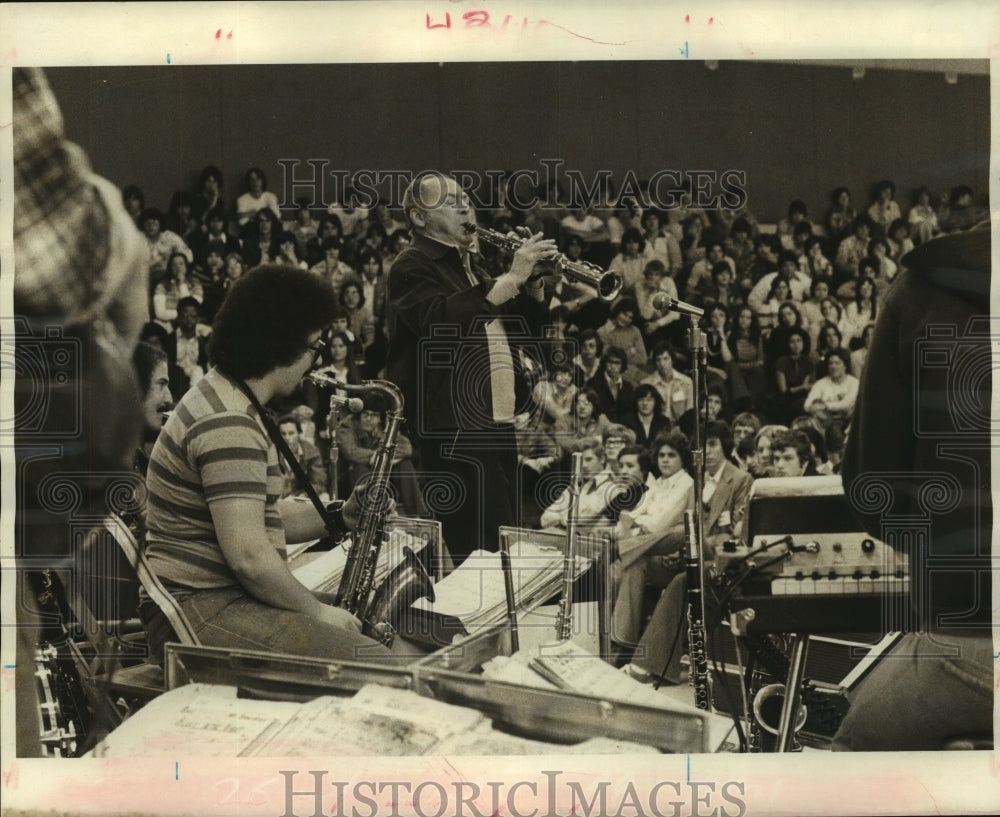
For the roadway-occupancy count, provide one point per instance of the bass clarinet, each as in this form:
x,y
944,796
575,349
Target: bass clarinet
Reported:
x,y
408,581
696,619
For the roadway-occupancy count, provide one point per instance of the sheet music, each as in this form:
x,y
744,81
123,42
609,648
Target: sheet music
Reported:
x,y
324,571
586,673
490,741
378,720
474,593
203,720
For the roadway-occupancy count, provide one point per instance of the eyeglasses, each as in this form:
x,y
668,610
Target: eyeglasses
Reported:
x,y
317,348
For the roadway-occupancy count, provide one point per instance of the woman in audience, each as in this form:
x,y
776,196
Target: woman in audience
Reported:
x,y
886,268
161,243
761,462
831,399
840,217
209,192
693,247
794,374
852,249
326,225
900,242
554,397
922,216
336,361
261,241
797,213
178,283
288,250
776,343
884,210
861,311
359,319
746,344
620,331
257,197
723,289
739,246
779,292
330,268
631,261
817,265
833,312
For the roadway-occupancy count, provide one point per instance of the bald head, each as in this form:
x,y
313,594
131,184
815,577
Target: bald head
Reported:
x,y
436,207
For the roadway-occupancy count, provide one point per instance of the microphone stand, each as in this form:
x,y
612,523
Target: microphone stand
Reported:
x,y
332,421
695,555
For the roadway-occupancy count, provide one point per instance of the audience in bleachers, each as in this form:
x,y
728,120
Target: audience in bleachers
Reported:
x,y
789,310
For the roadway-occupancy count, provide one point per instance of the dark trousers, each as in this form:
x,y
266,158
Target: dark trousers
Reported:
x,y
470,486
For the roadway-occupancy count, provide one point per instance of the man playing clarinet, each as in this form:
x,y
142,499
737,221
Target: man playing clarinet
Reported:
x,y
453,337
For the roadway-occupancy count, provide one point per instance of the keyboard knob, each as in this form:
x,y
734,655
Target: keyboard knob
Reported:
x,y
867,546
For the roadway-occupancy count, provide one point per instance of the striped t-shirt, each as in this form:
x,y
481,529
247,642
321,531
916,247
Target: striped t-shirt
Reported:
x,y
213,447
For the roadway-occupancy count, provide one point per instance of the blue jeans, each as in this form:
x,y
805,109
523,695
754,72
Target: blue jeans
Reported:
x,y
230,618
917,699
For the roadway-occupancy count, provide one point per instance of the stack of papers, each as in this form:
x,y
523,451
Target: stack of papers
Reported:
x,y
474,593
323,573
202,720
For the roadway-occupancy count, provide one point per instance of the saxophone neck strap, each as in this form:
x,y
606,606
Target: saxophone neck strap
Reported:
x,y
332,514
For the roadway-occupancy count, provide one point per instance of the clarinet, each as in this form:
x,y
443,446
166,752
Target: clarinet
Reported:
x,y
696,622
564,619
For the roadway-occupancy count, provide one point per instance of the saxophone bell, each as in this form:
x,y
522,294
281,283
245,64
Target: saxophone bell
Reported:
x,y
767,705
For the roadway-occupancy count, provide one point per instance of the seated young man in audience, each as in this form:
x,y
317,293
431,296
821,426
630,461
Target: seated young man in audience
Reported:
x,y
654,529
615,395
792,454
675,388
745,425
597,490
307,455
725,496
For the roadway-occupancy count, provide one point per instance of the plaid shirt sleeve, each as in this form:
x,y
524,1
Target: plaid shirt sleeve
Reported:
x,y
78,256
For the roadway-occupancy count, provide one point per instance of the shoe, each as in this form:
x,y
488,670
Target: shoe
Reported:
x,y
637,673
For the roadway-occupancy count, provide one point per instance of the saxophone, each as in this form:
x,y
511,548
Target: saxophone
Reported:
x,y
408,581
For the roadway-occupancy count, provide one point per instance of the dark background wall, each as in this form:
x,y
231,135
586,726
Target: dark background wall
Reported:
x,y
797,131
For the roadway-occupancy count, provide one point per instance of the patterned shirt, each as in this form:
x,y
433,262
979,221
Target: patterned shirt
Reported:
x,y
78,255
213,447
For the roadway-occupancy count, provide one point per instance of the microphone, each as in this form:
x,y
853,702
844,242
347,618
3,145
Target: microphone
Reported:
x,y
353,404
664,303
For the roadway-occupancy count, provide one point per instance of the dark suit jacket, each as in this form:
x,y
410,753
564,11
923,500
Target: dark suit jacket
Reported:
x,y
659,424
438,351
614,408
